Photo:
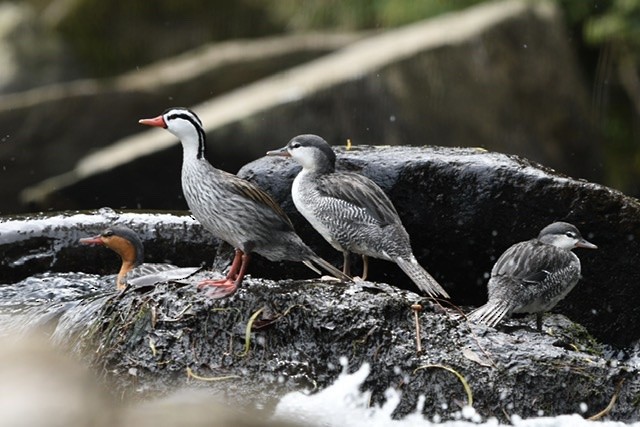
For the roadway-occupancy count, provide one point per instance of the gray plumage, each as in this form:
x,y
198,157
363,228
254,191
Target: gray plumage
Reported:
x,y
232,208
351,211
533,276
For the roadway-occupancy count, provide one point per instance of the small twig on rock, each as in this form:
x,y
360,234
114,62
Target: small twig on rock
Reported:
x,y
190,374
247,332
416,309
611,404
178,316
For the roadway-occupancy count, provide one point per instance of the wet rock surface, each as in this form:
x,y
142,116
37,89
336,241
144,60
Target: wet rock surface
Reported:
x,y
461,207
464,207
274,337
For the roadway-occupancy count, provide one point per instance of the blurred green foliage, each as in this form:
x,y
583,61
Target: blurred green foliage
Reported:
x,y
116,35
619,23
357,14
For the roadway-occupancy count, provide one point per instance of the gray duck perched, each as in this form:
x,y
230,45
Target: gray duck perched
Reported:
x,y
133,270
533,276
233,209
351,211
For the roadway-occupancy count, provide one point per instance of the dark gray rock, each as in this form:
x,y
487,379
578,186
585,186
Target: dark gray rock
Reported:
x,y
149,340
32,55
464,207
274,337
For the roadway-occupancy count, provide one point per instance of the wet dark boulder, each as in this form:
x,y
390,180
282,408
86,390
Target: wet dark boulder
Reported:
x,y
461,207
275,337
464,207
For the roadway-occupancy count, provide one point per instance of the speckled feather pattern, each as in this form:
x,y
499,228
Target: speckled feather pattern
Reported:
x,y
240,213
351,213
152,273
530,277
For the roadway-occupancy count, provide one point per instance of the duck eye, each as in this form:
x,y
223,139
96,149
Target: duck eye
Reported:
x,y
570,234
107,233
295,145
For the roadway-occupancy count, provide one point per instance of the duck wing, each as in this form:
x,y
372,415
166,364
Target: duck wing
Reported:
x,y
249,191
531,262
362,192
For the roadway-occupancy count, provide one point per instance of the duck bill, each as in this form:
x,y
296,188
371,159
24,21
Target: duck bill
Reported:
x,y
95,240
584,244
156,121
282,152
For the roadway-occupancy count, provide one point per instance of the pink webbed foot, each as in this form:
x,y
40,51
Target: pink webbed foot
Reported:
x,y
220,288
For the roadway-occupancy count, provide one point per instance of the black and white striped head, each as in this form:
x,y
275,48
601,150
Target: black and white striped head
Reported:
x,y
311,151
565,236
184,124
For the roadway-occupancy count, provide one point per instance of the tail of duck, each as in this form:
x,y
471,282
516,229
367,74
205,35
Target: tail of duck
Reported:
x,y
421,277
326,266
490,314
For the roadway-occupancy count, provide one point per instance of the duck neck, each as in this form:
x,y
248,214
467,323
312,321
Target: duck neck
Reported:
x,y
320,168
194,147
125,268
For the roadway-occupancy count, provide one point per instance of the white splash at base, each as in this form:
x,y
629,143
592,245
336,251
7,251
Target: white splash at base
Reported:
x,y
344,404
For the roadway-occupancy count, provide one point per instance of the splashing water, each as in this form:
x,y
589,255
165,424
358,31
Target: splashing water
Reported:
x,y
344,404
44,298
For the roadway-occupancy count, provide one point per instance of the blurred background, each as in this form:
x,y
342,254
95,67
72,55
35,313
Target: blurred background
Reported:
x,y
555,81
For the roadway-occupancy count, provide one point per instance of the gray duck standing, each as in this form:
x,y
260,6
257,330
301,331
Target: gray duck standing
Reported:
x,y
133,270
533,276
233,209
351,211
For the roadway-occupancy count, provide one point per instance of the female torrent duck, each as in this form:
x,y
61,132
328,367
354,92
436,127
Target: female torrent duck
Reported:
x,y
134,271
532,276
351,211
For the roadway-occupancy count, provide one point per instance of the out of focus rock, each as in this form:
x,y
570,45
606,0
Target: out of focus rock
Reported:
x,y
31,54
45,131
500,76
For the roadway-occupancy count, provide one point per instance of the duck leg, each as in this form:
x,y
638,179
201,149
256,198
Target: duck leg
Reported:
x,y
346,266
228,285
365,267
539,322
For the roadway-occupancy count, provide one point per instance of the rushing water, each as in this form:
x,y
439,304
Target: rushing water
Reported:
x,y
43,300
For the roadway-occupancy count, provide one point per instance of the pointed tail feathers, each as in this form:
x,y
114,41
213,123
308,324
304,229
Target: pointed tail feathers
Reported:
x,y
326,266
420,277
490,314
